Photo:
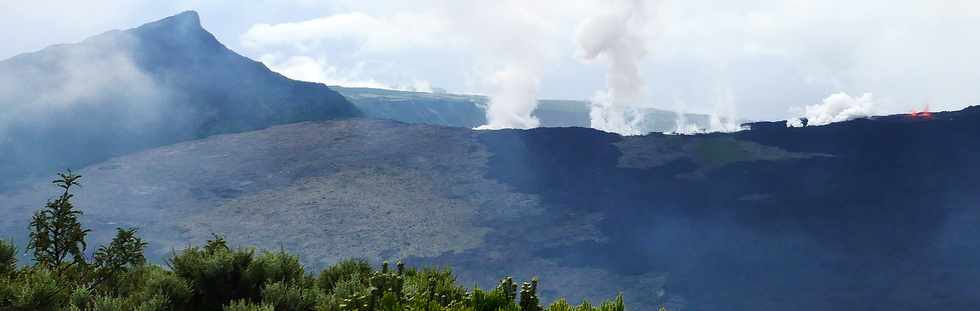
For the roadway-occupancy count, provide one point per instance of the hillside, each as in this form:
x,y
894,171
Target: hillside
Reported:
x,y
469,111
872,214
164,82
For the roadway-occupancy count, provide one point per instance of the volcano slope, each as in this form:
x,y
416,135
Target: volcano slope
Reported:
x,y
877,214
126,90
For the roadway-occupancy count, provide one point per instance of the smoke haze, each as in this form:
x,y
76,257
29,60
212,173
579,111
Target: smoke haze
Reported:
x,y
619,37
164,82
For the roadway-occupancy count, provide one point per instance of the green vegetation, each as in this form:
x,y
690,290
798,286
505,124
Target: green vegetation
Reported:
x,y
218,277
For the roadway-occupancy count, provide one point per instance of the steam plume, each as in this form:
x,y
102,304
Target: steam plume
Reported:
x,y
836,108
514,99
619,37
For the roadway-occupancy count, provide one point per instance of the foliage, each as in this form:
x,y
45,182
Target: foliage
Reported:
x,y
284,296
56,236
159,282
218,277
8,258
242,305
111,262
433,285
33,289
342,271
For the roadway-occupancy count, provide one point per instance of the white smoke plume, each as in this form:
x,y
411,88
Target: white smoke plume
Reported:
x,y
725,116
619,37
516,49
514,100
681,124
836,108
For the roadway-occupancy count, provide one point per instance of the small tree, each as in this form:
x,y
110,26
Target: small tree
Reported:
x,y
122,254
125,251
529,296
57,239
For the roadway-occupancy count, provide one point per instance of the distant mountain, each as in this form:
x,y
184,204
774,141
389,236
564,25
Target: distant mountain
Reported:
x,y
121,91
469,111
870,214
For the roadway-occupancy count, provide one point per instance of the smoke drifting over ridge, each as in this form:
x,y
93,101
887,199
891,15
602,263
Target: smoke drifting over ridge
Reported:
x,y
618,36
838,107
72,104
164,82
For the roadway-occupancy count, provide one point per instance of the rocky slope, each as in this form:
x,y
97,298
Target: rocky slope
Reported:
x,y
876,214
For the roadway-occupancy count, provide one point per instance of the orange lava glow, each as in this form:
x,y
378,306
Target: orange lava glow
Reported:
x,y
924,114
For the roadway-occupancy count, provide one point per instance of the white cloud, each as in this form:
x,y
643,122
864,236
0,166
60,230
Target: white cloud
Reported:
x,y
369,33
310,69
771,53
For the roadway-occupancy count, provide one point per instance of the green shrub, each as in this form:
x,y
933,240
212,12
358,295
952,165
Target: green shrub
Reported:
x,y
81,297
156,303
110,303
342,271
351,286
113,262
494,300
561,305
176,292
433,285
36,290
285,296
242,305
271,267
216,275
8,258
106,303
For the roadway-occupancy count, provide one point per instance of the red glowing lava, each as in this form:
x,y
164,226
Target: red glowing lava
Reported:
x,y
924,114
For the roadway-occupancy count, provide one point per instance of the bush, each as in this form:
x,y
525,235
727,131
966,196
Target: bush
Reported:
x,y
36,290
216,277
176,292
343,271
81,298
8,258
434,285
285,296
241,305
271,267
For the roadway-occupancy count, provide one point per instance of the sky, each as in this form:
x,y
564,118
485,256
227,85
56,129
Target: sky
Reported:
x,y
748,59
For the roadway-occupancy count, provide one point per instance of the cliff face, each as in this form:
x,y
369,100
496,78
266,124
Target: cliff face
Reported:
x,y
160,83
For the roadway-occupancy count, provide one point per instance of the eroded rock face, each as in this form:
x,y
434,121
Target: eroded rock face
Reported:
x,y
765,219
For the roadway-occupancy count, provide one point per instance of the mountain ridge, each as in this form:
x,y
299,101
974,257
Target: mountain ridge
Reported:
x,y
125,90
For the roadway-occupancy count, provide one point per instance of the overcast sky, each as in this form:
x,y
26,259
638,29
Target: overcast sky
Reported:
x,y
757,59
